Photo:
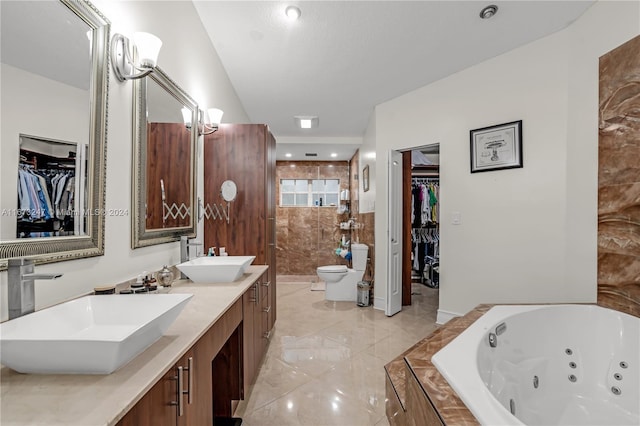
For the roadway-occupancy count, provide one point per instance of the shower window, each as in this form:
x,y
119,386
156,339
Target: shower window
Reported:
x,y
309,192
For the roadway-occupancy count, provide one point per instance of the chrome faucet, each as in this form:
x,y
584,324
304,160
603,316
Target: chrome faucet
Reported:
x,y
22,294
185,256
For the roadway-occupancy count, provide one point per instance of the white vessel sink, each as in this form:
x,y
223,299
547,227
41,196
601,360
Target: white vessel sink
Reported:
x,y
215,269
89,335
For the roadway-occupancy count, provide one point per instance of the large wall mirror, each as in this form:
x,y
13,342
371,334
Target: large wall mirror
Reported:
x,y
164,183
54,84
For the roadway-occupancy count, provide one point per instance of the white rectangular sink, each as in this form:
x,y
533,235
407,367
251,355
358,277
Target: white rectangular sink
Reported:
x,y
216,269
89,335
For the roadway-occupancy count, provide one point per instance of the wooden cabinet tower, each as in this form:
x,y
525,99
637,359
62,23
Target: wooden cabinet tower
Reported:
x,y
245,154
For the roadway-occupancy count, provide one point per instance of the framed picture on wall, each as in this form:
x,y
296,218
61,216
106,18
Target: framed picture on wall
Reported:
x,y
496,147
365,178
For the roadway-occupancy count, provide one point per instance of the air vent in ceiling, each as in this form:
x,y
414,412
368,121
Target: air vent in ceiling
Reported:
x,y
310,154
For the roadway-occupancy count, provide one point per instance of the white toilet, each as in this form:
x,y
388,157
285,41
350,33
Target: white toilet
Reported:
x,y
341,282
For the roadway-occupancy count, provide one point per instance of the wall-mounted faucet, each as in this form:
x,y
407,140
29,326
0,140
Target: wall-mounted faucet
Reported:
x,y
185,256
22,294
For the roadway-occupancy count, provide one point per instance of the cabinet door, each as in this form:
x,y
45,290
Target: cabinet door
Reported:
x,y
267,310
237,152
195,384
249,303
158,407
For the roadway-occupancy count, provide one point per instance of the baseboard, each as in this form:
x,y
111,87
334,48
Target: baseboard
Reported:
x,y
379,303
445,316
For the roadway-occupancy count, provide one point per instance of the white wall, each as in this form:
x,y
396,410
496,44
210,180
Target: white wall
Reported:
x,y
367,200
191,61
529,234
32,112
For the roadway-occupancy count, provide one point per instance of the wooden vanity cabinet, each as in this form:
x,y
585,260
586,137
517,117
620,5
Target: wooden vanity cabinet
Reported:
x,y
255,330
202,383
159,406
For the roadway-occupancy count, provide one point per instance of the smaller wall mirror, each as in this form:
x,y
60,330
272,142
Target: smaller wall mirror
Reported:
x,y
164,175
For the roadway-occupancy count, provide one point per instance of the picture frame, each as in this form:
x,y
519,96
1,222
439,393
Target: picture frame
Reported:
x,y
365,178
496,147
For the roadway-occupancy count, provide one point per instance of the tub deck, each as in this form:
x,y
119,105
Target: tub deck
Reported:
x,y
416,389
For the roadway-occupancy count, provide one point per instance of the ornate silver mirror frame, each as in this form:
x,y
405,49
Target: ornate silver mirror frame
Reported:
x,y
56,249
140,235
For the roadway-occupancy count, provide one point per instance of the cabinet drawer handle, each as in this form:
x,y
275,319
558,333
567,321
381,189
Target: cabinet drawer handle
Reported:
x,y
256,293
189,390
267,284
267,334
178,378
267,309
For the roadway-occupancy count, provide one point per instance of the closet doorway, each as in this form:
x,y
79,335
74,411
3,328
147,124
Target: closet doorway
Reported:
x,y
420,219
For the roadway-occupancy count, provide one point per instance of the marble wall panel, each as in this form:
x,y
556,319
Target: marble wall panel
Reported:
x,y
619,179
306,237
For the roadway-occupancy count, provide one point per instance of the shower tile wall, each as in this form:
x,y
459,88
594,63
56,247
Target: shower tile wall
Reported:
x,y
306,237
619,180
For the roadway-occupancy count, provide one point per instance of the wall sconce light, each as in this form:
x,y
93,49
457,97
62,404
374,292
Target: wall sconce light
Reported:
x,y
204,127
147,47
186,116
215,117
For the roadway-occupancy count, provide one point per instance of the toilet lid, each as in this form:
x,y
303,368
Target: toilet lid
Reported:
x,y
333,269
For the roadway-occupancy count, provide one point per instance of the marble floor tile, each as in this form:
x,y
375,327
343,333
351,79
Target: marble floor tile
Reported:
x,y
324,363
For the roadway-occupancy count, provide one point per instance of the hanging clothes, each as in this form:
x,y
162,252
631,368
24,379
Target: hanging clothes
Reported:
x,y
424,218
45,200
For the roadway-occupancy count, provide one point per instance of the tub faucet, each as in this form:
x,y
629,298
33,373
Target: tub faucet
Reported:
x,y
22,295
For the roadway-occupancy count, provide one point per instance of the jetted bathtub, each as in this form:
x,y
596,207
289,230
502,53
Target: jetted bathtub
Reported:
x,y
547,365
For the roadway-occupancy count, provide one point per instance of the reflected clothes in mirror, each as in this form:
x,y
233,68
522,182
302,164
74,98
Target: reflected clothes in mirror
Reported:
x,y
45,202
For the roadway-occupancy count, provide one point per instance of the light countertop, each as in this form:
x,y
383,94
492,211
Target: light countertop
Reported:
x,y
34,399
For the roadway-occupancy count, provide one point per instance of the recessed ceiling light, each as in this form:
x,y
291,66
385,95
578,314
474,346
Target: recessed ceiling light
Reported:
x,y
489,11
288,155
292,12
334,155
306,121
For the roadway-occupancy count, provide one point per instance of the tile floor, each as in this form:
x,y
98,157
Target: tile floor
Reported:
x,y
324,365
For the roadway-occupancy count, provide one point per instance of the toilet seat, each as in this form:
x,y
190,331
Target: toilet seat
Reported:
x,y
333,269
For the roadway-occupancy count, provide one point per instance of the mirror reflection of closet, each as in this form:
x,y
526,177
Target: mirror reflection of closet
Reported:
x,y
51,188
54,64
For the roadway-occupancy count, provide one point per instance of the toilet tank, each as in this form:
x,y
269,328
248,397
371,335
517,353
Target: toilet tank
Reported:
x,y
359,256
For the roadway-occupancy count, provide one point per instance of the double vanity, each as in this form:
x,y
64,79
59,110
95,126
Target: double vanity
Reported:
x,y
206,359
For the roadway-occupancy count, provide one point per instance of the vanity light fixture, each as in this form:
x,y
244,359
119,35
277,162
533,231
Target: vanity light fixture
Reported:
x,y
489,11
215,117
147,47
293,13
288,155
334,155
186,116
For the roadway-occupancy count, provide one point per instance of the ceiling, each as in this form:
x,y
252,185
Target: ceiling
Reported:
x,y
341,58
